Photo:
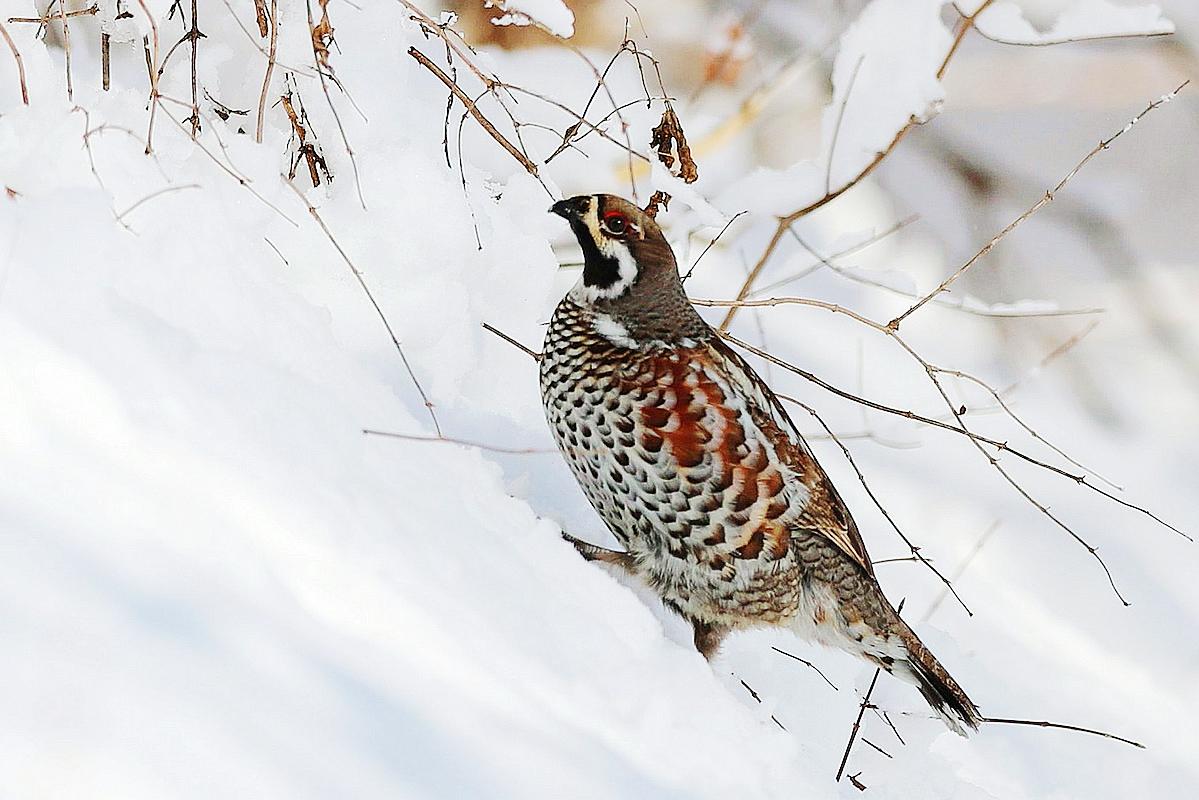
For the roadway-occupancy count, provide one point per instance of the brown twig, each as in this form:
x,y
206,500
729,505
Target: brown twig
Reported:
x,y
195,36
271,22
165,190
976,440
152,66
536,356
374,304
322,37
857,724
848,251
66,46
715,239
474,111
953,305
807,663
262,18
1044,724
48,17
755,696
16,54
301,71
230,171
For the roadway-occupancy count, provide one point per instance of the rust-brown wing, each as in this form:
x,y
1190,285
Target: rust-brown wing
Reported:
x,y
825,511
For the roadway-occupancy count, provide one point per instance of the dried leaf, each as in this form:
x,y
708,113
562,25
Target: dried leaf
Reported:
x,y
669,139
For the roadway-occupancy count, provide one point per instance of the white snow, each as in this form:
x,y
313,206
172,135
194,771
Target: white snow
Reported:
x,y
212,585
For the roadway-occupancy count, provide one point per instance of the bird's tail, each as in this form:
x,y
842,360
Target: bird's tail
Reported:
x,y
934,682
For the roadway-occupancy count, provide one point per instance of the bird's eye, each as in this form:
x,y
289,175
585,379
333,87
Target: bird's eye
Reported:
x,y
615,223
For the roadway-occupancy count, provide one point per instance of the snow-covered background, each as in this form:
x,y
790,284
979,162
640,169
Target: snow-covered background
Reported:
x,y
212,584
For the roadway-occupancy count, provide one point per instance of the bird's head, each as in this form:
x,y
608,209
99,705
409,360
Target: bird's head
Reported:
x,y
624,252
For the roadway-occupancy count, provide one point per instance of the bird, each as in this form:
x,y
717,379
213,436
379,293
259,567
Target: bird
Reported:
x,y
697,470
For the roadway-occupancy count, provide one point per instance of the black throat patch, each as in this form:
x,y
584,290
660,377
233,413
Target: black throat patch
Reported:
x,y
599,270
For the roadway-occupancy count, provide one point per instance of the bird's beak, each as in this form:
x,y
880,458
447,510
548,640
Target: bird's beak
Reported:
x,y
571,208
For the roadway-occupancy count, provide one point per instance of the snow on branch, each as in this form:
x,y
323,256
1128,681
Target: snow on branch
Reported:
x,y
553,15
1085,20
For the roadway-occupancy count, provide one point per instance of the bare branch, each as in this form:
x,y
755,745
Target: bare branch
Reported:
x,y
374,304
1045,200
321,36
809,664
485,123
273,22
915,551
1043,724
518,451
711,243
857,723
536,356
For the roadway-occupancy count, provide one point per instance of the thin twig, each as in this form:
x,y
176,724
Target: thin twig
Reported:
x,y
788,220
536,356
321,66
932,371
195,36
48,17
857,723
241,179
1045,200
755,696
152,65
832,148
16,54
711,243
876,747
519,451
485,123
66,46
1044,724
807,663
848,251
961,570
371,297
165,190
273,21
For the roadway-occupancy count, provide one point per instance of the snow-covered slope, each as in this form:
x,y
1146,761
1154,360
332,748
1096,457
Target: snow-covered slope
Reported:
x,y
212,584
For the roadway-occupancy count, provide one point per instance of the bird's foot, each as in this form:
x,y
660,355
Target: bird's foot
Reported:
x,y
593,552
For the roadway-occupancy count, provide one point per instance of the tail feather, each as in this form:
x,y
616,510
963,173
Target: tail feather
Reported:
x,y
939,688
